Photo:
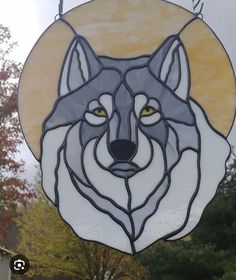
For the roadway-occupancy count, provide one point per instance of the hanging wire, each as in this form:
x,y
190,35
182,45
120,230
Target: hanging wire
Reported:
x,y
60,10
198,8
60,17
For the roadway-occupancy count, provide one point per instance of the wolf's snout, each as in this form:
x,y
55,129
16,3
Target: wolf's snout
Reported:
x,y
122,149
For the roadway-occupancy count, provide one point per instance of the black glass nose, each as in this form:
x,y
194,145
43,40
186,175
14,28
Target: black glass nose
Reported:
x,y
122,149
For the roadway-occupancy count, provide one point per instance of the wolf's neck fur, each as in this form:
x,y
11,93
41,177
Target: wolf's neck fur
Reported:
x,y
125,217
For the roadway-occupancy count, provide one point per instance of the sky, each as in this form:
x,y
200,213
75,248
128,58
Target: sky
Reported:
x,y
27,19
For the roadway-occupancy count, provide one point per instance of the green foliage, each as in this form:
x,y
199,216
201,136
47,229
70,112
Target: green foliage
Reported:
x,y
229,276
55,251
14,191
218,224
182,260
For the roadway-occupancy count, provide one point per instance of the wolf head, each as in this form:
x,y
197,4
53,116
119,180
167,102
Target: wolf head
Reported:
x,y
127,156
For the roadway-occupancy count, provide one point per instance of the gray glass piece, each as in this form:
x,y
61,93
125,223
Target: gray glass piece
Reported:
x,y
160,54
187,135
172,148
173,79
73,152
142,214
76,78
106,206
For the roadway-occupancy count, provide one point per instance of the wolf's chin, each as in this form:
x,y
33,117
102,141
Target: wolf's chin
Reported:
x,y
126,174
124,169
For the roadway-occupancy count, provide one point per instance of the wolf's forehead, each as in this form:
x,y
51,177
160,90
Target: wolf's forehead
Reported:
x,y
106,81
123,65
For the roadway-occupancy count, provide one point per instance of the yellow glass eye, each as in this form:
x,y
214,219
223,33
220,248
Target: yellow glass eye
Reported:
x,y
148,111
100,112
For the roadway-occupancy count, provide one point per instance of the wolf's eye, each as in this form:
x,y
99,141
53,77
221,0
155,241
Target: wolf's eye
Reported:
x,y
148,111
100,112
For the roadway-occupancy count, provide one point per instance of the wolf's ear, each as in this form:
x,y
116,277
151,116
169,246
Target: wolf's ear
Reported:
x,y
80,64
170,64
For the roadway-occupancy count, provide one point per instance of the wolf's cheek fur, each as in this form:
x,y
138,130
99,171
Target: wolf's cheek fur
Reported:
x,y
144,182
101,152
73,152
52,141
144,151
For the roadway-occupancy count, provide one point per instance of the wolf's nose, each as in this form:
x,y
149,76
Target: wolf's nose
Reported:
x,y
122,149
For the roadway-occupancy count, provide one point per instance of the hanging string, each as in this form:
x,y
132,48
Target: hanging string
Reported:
x,y
60,16
198,7
60,10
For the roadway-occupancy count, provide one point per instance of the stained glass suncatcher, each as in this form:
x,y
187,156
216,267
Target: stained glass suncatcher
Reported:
x,y
128,150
